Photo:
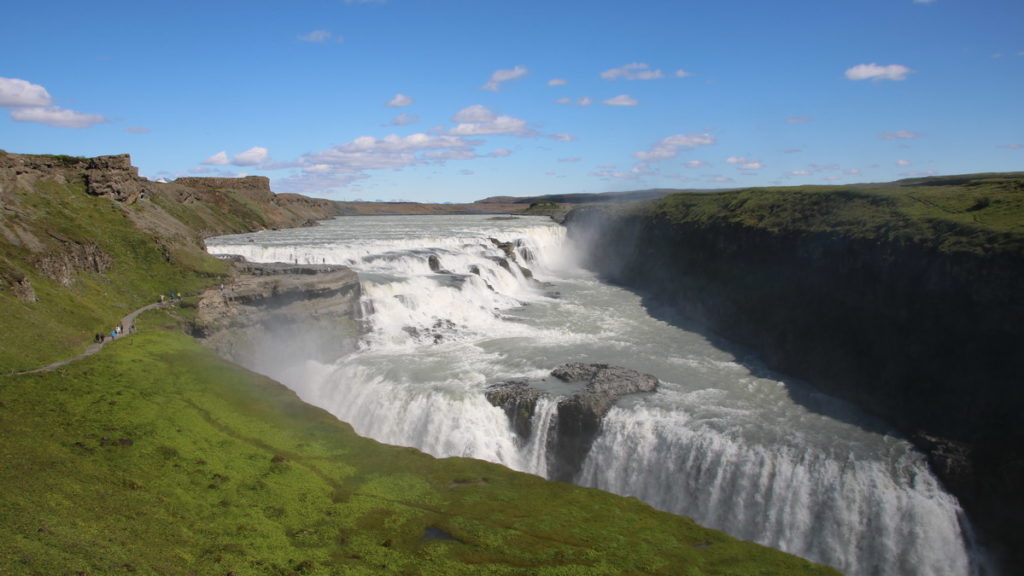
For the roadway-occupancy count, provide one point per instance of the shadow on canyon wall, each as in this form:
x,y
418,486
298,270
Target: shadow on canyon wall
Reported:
x,y
927,341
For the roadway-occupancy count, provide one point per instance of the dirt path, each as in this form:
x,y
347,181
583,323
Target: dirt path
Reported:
x,y
127,323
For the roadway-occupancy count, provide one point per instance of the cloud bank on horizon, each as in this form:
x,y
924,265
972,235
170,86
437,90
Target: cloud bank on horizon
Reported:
x,y
444,101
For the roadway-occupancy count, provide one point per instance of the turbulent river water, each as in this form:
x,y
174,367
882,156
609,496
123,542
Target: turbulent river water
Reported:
x,y
723,441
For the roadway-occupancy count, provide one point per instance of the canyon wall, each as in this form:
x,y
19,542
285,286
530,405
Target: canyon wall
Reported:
x,y
924,331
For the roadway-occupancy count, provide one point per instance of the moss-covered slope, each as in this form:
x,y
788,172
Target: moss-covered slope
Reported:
x,y
980,213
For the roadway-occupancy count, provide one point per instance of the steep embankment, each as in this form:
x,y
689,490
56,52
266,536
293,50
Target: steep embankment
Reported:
x,y
904,299
85,240
154,456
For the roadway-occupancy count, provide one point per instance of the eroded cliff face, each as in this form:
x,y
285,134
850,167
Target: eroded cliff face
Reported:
x,y
273,317
928,339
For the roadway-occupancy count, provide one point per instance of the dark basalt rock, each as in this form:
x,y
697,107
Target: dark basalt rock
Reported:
x,y
435,265
519,401
579,415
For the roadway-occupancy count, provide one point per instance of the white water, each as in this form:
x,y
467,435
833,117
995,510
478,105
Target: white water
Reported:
x,y
762,459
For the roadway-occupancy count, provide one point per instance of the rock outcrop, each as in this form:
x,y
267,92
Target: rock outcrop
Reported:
x,y
579,414
114,177
273,316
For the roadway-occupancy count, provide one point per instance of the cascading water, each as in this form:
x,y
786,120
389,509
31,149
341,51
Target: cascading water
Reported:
x,y
450,308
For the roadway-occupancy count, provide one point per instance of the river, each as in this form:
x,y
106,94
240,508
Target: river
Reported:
x,y
723,441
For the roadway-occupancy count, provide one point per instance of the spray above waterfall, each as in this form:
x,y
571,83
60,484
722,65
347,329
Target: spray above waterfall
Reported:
x,y
455,305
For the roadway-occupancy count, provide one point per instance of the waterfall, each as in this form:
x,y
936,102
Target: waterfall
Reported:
x,y
865,516
453,305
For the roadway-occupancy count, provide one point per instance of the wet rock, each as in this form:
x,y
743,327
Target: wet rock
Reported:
x,y
579,415
435,265
274,314
519,401
509,248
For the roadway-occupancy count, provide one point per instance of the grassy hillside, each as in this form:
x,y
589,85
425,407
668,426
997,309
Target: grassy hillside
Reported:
x,y
59,234
154,456
977,213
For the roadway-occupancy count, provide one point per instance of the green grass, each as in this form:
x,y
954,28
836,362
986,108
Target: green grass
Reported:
x,y
63,320
156,457
980,213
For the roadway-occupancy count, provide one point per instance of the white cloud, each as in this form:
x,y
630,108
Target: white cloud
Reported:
x,y
875,72
564,101
695,164
404,120
800,172
399,101
317,37
32,103
683,74
478,120
744,163
634,71
669,147
251,157
56,116
899,135
903,163
1012,146
16,93
557,82
474,113
621,100
585,101
341,166
562,137
500,153
218,159
501,76
370,153
853,171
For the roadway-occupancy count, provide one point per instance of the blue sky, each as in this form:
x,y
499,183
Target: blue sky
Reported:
x,y
457,100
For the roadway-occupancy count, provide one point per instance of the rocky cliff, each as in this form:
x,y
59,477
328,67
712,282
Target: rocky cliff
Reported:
x,y
913,314
594,390
89,234
274,315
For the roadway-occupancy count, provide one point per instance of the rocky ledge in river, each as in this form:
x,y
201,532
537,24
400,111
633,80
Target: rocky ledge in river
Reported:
x,y
273,316
579,414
